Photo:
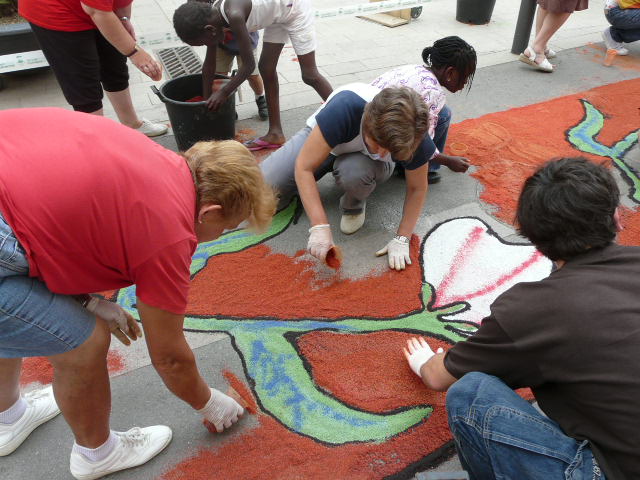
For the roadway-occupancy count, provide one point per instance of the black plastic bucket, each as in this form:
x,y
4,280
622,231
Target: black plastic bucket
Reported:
x,y
193,121
476,12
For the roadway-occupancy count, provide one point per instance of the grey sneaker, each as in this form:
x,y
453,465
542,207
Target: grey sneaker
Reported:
x,y
41,407
611,44
151,129
135,447
263,111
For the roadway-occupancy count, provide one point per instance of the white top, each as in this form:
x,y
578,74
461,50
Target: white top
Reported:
x,y
264,13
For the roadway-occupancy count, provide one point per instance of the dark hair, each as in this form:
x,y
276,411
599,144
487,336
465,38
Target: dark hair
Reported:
x,y
452,52
567,207
190,19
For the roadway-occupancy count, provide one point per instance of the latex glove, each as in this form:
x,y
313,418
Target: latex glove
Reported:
x,y
122,325
147,64
417,353
398,253
320,241
221,410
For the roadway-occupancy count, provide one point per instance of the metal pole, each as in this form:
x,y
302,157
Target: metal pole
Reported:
x,y
523,26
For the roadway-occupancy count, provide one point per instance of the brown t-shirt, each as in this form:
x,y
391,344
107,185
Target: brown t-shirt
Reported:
x,y
574,338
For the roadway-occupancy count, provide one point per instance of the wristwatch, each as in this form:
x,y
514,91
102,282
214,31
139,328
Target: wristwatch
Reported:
x,y
124,19
135,50
402,239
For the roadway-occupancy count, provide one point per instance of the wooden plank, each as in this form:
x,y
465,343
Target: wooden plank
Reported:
x,y
385,19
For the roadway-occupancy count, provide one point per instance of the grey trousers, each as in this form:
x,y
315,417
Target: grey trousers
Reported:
x,y
357,174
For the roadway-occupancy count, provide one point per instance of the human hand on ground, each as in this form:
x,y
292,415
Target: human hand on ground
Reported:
x,y
122,325
417,353
320,241
216,100
221,411
147,64
398,253
458,164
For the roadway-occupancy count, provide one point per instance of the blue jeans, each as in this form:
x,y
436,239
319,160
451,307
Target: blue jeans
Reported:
x,y
625,24
34,321
440,134
500,435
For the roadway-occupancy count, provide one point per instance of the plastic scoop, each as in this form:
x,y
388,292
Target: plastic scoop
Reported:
x,y
334,258
610,57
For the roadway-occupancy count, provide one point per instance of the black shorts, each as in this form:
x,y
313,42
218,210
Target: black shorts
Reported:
x,y
84,63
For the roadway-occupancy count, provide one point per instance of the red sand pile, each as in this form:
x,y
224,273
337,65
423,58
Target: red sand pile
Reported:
x,y
334,258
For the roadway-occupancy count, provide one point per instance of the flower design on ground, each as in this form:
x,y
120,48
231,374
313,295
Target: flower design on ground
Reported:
x,y
464,260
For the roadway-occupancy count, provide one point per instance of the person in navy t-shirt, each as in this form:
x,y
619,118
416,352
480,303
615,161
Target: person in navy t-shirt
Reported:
x,y
359,134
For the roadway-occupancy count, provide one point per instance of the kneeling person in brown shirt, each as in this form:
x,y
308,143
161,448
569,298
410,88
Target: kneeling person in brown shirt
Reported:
x,y
573,338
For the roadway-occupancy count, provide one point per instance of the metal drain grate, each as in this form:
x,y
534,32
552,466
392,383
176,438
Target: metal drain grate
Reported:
x,y
179,61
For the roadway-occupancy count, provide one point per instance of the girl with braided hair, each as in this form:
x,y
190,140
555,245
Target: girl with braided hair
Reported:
x,y
450,63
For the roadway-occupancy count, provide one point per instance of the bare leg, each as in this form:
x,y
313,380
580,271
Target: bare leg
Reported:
x,y
540,16
9,382
123,106
82,390
312,77
267,65
552,22
255,82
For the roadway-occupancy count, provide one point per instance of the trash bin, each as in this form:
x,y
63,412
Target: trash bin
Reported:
x,y
193,121
476,12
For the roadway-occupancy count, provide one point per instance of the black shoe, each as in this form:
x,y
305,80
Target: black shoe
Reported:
x,y
433,177
263,112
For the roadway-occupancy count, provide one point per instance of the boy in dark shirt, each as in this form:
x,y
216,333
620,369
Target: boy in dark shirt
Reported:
x,y
573,338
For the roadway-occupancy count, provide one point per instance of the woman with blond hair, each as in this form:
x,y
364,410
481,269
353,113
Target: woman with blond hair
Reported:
x,y
94,206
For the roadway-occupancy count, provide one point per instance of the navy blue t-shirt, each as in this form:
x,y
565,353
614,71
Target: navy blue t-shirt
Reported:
x,y
340,122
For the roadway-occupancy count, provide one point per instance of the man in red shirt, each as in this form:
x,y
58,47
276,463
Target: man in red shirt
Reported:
x,y
87,45
93,206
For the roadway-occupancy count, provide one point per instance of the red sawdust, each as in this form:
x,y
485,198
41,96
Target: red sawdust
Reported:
x,y
198,98
334,258
271,451
228,288
241,389
508,146
38,369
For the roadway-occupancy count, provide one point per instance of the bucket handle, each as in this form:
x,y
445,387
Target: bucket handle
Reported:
x,y
155,90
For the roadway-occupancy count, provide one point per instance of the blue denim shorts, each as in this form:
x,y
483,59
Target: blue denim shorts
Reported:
x,y
35,322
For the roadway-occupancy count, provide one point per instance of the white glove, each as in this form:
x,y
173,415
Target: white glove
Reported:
x,y
221,410
110,312
398,252
320,241
419,352
121,323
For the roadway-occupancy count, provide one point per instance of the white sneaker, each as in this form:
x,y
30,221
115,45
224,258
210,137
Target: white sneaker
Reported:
x,y
134,447
352,223
41,407
611,44
151,129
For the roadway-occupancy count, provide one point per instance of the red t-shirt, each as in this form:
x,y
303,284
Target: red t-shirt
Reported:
x,y
65,15
97,206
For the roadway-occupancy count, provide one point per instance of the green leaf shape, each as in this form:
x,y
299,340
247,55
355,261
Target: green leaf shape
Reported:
x,y
583,137
286,390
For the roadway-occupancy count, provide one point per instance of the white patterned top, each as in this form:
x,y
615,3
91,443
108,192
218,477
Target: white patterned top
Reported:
x,y
421,79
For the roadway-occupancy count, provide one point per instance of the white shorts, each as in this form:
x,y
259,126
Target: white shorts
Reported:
x,y
298,28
